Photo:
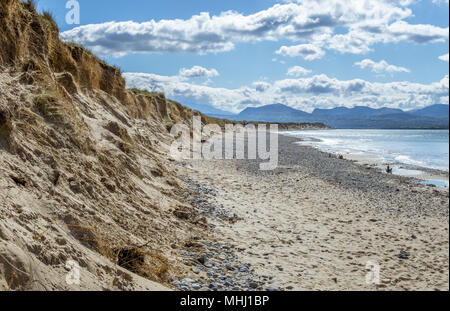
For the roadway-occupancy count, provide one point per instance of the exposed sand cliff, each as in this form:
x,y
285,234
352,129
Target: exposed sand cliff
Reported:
x,y
83,167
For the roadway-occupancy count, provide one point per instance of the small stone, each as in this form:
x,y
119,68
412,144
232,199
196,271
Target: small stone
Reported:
x,y
213,286
253,285
404,255
272,288
230,267
196,286
202,259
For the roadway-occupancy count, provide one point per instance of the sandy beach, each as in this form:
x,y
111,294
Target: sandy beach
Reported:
x,y
96,194
314,224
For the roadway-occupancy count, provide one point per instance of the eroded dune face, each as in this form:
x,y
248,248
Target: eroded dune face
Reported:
x,y
84,171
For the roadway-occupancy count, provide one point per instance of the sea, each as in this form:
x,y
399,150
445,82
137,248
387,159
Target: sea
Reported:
x,y
408,148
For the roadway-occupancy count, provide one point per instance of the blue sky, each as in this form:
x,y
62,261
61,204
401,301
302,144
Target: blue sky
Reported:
x,y
397,49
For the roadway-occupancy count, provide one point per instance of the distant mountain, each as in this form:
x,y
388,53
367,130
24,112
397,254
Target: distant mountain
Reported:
x,y
387,121
273,113
433,117
358,111
435,111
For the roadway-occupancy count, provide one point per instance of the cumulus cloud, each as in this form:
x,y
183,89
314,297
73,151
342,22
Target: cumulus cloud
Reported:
x,y
380,67
307,51
319,91
360,39
261,86
444,57
401,30
198,72
308,22
298,71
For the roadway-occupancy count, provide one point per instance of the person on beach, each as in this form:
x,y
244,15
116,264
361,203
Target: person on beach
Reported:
x,y
389,170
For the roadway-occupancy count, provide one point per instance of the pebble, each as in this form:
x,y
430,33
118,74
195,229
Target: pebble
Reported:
x,y
213,286
188,280
404,255
253,285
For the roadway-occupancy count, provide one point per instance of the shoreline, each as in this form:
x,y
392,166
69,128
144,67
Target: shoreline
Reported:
x,y
418,174
313,224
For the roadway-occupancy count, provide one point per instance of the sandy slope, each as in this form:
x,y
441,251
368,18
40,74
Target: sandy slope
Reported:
x,y
311,233
59,203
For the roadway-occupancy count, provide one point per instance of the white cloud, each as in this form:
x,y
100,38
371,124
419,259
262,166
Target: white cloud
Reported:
x,y
444,57
298,71
379,67
261,86
198,72
276,60
307,51
354,42
401,30
361,38
438,2
306,22
319,91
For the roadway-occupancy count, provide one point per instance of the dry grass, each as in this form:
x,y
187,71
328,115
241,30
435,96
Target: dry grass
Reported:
x,y
30,5
146,93
48,19
148,264
87,235
6,129
49,106
5,125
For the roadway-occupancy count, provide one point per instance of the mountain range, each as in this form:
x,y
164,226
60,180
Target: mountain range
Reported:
x,y
431,117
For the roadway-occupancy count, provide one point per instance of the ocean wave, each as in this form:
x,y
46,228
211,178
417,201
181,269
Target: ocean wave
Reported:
x,y
408,160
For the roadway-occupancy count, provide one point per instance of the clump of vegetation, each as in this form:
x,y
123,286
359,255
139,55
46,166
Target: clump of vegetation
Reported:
x,y
6,130
87,236
147,264
146,93
49,107
48,19
44,103
5,125
88,52
168,123
30,5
